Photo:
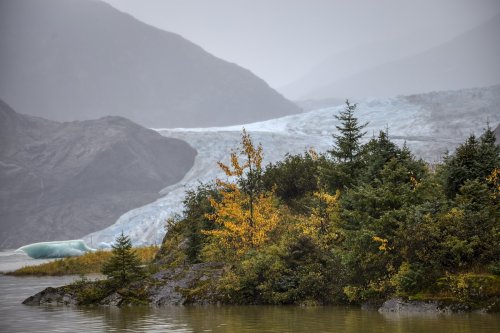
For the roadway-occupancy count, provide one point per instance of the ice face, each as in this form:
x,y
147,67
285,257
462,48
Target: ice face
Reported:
x,y
429,125
56,249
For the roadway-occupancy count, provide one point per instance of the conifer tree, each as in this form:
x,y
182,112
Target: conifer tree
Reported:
x,y
376,153
347,149
347,146
474,159
124,266
489,151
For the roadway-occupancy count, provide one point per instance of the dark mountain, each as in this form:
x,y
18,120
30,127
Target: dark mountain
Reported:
x,y
63,180
82,59
469,60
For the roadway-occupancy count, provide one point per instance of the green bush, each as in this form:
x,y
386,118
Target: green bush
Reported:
x,y
495,268
471,288
409,278
89,292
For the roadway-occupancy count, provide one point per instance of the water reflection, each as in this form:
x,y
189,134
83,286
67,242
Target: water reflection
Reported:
x,y
227,319
15,317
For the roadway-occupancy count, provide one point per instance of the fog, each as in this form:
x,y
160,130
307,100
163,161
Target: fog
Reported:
x,y
82,82
282,40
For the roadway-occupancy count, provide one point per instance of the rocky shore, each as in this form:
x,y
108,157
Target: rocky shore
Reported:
x,y
195,284
50,295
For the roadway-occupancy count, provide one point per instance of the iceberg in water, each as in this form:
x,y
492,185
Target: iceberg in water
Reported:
x,y
57,249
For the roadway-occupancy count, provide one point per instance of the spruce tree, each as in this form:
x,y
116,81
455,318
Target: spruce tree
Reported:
x,y
347,150
474,159
489,151
376,153
347,146
124,266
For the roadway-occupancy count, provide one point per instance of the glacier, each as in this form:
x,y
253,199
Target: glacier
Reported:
x,y
429,124
56,249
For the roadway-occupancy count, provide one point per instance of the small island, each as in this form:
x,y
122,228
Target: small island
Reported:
x,y
363,224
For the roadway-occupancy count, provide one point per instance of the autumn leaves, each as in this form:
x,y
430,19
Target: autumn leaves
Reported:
x,y
245,214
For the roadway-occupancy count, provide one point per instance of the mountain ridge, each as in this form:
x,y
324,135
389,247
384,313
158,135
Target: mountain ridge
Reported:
x,y
64,180
79,59
465,61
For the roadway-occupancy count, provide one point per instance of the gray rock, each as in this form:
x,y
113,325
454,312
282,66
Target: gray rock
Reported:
x,y
175,286
54,296
64,180
194,284
115,299
398,305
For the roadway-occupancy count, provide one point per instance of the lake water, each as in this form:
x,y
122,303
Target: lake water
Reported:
x,y
11,260
15,317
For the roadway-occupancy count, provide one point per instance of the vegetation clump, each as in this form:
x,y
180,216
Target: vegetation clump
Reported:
x,y
123,266
363,222
88,263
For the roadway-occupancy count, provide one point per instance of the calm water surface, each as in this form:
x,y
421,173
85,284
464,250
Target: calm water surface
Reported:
x,y
15,317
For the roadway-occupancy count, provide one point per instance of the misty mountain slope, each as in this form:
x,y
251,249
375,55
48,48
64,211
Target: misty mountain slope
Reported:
x,y
63,180
364,57
469,60
430,124
82,59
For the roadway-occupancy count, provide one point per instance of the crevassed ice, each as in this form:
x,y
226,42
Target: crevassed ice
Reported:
x,y
428,137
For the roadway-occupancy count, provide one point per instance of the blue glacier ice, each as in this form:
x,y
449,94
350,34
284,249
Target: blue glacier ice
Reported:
x,y
57,249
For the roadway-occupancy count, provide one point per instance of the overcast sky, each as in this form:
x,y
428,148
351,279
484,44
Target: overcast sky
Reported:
x,y
280,40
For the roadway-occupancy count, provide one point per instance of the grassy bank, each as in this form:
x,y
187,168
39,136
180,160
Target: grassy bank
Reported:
x,y
90,262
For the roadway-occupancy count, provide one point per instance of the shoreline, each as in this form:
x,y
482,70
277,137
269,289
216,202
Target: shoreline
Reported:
x,y
197,285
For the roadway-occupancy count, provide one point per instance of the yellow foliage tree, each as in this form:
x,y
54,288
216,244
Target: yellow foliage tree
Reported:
x,y
322,224
246,214
326,211
494,180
